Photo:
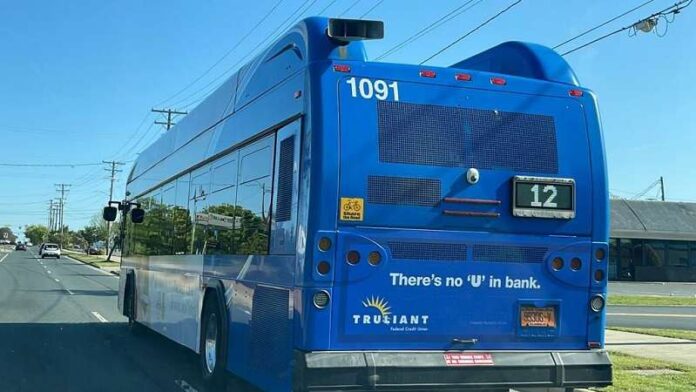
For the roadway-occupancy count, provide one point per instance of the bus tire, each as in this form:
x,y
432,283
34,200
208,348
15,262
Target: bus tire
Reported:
x,y
213,341
129,304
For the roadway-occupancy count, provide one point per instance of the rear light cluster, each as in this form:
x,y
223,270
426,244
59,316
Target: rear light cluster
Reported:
x,y
597,303
557,263
321,299
353,257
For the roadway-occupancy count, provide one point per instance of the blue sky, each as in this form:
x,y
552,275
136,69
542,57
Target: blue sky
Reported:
x,y
77,80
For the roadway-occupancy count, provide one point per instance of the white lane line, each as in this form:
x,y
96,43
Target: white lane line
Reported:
x,y
57,281
49,271
185,386
69,292
4,257
100,317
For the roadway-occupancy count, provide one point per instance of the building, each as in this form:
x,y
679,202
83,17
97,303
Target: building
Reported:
x,y
652,241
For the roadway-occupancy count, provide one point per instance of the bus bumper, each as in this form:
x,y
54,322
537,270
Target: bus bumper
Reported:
x,y
428,370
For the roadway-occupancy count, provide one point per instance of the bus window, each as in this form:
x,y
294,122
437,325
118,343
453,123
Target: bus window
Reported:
x,y
254,197
220,219
181,219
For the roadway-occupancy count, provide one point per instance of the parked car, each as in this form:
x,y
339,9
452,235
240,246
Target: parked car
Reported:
x,y
50,250
94,251
20,246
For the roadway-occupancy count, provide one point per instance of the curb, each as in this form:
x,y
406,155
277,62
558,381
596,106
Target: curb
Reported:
x,y
93,265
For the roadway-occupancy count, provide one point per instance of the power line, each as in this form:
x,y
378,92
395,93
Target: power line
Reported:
x,y
371,9
349,8
233,68
327,7
603,24
224,56
170,117
432,26
494,17
648,23
48,164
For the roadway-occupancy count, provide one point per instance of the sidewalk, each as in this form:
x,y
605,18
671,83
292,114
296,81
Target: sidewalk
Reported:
x,y
656,347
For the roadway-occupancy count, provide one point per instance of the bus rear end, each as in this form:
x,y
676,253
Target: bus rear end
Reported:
x,y
470,245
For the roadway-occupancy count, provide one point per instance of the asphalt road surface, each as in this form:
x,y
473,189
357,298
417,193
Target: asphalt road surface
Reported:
x,y
676,317
60,330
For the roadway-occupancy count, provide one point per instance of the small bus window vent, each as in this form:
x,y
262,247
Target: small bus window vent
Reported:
x,y
509,253
428,251
422,192
285,176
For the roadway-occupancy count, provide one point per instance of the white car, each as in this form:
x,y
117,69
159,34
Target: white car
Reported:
x,y
50,250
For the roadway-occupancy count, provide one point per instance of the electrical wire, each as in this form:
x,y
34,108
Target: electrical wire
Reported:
x,y
56,165
456,41
327,7
673,9
603,24
349,8
432,26
224,56
371,9
274,34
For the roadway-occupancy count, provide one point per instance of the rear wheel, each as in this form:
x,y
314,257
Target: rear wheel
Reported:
x,y
212,343
129,305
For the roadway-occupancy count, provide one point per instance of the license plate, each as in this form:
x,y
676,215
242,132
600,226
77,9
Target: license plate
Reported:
x,y
543,197
538,317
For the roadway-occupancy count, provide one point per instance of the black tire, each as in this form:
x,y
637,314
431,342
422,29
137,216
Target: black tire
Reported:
x,y
43,257
130,304
213,356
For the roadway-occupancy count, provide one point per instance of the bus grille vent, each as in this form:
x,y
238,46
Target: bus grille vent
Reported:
x,y
428,251
270,329
463,137
403,190
283,208
509,254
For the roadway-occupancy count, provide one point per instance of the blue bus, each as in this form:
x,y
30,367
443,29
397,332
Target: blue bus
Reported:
x,y
322,222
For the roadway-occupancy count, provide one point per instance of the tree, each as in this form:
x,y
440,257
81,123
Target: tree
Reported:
x,y
36,233
90,234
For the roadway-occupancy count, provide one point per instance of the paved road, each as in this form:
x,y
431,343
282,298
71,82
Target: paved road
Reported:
x,y
677,317
60,331
653,288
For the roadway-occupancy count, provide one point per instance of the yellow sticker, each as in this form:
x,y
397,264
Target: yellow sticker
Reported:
x,y
352,208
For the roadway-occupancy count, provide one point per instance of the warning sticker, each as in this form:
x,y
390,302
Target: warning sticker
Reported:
x,y
352,208
468,359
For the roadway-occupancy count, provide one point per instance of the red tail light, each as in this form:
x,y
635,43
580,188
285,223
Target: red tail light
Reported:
x,y
465,77
427,74
575,93
498,81
341,68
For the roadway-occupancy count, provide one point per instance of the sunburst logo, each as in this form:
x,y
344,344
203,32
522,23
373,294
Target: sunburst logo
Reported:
x,y
378,303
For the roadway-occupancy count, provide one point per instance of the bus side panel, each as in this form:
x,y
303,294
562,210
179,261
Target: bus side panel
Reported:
x,y
169,296
260,315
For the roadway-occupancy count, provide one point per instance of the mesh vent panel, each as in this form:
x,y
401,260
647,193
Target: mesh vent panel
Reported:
x,y
464,137
270,328
509,254
283,208
428,251
403,190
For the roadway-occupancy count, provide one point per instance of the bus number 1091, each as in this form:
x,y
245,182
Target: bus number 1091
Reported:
x,y
366,89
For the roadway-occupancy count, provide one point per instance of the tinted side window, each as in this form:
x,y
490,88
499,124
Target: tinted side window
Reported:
x,y
254,196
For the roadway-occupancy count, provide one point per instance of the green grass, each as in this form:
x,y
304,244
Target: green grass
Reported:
x,y
97,261
668,333
623,381
650,300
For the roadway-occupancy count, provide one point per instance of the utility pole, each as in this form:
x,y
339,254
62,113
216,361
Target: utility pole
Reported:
x,y
169,112
50,215
111,168
662,188
62,188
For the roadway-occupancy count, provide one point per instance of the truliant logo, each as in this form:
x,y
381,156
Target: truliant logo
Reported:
x,y
378,312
